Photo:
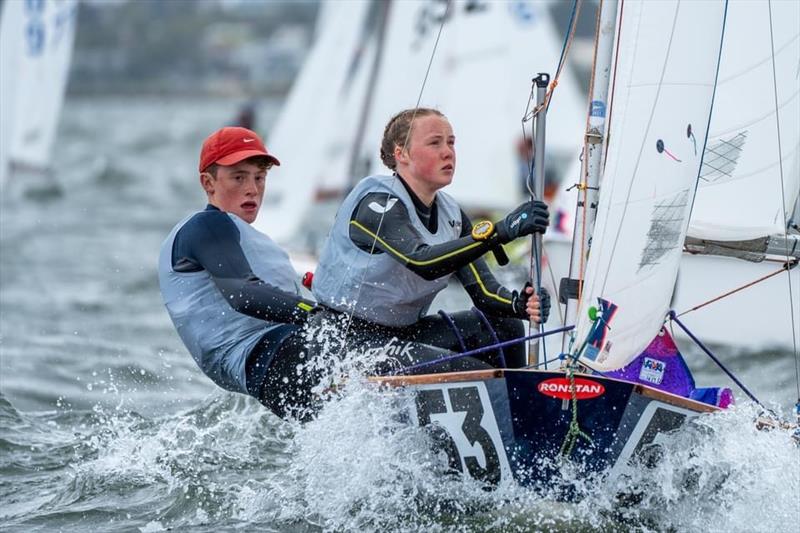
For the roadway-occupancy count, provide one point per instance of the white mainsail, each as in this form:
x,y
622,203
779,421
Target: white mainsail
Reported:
x,y
36,40
740,195
662,92
311,133
480,79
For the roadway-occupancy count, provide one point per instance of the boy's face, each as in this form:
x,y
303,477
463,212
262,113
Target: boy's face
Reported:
x,y
237,189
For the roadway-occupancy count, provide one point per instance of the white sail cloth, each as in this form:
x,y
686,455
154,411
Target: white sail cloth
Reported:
x,y
313,133
36,41
480,78
740,195
662,91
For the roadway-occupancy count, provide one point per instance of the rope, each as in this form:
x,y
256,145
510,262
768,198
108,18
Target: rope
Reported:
x,y
572,25
447,318
708,352
583,180
548,361
787,266
493,334
552,276
574,432
536,267
783,203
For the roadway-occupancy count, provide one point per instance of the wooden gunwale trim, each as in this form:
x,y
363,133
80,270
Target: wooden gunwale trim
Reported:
x,y
472,375
672,399
445,377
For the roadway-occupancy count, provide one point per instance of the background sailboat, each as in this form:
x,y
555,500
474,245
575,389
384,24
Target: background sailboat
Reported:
x,y
36,41
480,77
370,62
750,183
316,119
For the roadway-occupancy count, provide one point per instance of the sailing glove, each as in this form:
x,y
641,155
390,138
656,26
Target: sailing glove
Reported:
x,y
519,302
530,217
544,302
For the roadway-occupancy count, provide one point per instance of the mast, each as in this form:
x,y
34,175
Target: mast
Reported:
x,y
541,82
594,147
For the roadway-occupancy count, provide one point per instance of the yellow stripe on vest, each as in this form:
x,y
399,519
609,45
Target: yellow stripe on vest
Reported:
x,y
483,287
409,260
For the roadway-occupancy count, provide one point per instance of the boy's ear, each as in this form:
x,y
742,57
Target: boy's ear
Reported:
x,y
207,182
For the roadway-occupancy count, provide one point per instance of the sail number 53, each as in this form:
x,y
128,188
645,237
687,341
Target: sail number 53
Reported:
x,y
470,437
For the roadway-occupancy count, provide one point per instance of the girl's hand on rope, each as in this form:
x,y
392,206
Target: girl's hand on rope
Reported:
x,y
527,303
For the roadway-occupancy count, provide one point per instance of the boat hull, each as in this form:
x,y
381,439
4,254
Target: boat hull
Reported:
x,y
504,425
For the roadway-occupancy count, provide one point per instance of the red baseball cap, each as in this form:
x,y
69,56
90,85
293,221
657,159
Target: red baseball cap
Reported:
x,y
228,146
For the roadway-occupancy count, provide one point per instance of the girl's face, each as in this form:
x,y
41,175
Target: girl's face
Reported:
x,y
430,159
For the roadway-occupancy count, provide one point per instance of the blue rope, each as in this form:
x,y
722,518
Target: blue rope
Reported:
x,y
702,346
447,318
493,333
560,62
478,350
566,36
566,39
545,363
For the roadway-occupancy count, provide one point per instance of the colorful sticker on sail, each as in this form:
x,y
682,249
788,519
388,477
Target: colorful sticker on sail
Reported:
x,y
652,371
598,109
600,328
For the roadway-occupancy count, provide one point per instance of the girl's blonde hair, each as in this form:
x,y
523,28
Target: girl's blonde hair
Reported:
x,y
396,132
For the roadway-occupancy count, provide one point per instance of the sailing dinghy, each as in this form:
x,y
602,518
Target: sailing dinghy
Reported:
x,y
36,41
622,382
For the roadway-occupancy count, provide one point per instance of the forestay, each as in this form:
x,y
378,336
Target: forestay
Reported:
x,y
739,196
36,41
662,93
311,137
481,80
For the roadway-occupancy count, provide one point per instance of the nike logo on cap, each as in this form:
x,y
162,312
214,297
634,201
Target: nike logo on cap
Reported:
x,y
248,140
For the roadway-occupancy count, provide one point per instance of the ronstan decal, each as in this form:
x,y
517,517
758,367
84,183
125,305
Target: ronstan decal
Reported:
x,y
561,389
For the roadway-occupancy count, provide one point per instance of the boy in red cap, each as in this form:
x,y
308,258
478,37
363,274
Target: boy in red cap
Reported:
x,y
230,290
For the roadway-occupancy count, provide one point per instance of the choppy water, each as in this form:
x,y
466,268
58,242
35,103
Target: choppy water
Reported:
x,y
106,424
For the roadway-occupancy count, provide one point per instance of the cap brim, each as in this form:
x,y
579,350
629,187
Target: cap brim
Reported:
x,y
232,159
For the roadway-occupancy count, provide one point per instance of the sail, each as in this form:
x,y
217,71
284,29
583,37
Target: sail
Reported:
x,y
740,196
36,41
662,92
317,121
480,79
